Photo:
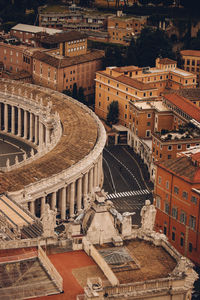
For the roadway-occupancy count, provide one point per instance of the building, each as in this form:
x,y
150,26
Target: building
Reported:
x,y
65,164
26,33
133,83
177,200
191,62
122,29
73,18
59,61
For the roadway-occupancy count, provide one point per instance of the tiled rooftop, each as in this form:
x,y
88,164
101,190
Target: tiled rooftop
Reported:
x,y
63,62
185,105
182,166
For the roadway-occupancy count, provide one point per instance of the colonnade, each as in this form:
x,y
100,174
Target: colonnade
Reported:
x,y
23,123
72,197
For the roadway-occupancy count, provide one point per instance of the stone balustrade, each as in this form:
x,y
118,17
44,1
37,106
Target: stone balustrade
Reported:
x,y
49,121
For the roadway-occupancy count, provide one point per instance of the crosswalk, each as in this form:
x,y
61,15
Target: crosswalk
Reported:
x,y
128,194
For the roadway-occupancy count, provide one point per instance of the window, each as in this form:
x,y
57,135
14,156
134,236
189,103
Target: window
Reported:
x,y
173,236
159,179
183,217
158,202
108,98
169,156
170,147
192,222
148,115
185,195
148,133
166,207
176,190
182,239
179,147
194,199
188,146
165,230
167,184
190,247
174,212
148,123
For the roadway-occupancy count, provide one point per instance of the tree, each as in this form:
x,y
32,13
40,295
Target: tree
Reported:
x,y
113,112
74,91
131,54
81,96
151,44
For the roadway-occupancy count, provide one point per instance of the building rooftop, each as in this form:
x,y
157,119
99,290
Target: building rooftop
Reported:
x,y
35,29
80,133
182,166
182,72
63,37
191,94
62,62
138,267
166,61
191,52
158,105
185,105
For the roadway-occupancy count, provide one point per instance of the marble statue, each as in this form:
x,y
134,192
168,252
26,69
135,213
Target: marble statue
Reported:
x,y
148,215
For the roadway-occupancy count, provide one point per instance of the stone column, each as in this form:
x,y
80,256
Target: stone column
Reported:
x,y
36,129
47,135
79,194
91,180
6,117
13,120
63,203
41,133
99,172
53,200
25,124
32,207
72,199
19,126
42,205
95,175
85,188
31,127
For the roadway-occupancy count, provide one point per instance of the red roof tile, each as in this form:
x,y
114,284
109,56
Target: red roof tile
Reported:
x,y
185,105
166,61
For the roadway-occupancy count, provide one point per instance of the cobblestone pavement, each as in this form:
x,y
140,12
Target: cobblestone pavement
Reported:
x,y
126,180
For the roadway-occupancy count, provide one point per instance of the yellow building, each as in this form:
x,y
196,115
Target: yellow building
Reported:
x,y
123,84
191,59
121,29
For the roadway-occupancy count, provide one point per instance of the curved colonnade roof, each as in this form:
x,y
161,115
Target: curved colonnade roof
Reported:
x,y
79,136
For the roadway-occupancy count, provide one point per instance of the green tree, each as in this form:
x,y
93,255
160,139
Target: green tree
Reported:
x,y
81,96
151,44
74,91
67,92
113,112
131,54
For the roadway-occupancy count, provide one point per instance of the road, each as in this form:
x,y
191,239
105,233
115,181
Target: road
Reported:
x,y
124,180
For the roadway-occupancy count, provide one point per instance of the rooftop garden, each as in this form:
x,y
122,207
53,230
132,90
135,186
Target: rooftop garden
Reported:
x,y
185,131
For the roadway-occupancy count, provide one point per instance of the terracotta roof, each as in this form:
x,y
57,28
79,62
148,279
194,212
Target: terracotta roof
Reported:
x,y
60,62
166,61
63,37
185,105
190,93
126,69
191,52
135,83
183,167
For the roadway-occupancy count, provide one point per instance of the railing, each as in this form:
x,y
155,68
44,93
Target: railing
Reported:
x,y
139,287
53,273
